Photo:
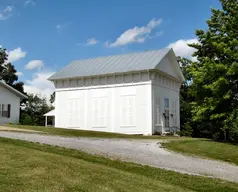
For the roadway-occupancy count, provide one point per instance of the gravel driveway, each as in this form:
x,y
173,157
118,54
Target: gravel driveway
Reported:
x,y
147,152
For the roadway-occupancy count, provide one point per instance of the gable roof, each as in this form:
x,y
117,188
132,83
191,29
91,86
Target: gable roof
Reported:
x,y
18,93
170,66
50,113
132,62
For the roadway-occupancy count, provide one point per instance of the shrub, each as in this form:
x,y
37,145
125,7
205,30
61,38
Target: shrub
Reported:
x,y
230,129
27,120
187,130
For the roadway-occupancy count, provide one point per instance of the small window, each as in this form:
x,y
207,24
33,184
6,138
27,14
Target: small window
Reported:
x,y
5,112
166,102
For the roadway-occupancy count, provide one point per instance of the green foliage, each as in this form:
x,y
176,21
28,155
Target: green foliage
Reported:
x,y
8,72
52,98
27,120
34,109
3,58
231,124
187,130
210,99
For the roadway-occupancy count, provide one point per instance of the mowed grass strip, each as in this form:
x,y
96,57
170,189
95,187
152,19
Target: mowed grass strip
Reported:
x,y
206,148
86,133
26,166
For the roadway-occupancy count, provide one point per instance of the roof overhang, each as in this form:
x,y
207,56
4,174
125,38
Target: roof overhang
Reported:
x,y
18,93
50,113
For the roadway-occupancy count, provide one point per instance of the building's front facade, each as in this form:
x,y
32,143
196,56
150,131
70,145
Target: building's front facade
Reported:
x,y
9,104
143,101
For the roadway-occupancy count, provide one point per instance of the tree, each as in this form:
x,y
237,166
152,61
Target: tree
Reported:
x,y
3,58
8,72
215,74
185,99
34,109
52,98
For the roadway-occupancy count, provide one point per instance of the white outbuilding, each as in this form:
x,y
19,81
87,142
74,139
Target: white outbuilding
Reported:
x,y
136,93
9,103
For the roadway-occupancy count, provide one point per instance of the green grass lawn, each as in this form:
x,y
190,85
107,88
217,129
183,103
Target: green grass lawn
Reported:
x,y
83,133
26,166
206,148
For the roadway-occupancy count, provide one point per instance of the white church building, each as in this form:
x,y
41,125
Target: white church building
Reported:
x,y
136,93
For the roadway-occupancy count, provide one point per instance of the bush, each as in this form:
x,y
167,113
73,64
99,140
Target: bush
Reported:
x,y
27,120
187,131
231,125
234,125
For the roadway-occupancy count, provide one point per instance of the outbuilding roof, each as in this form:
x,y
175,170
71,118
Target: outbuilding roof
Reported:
x,y
50,113
140,61
18,93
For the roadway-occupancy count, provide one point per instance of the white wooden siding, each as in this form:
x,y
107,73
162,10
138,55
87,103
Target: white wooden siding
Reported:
x,y
7,97
102,104
125,103
74,112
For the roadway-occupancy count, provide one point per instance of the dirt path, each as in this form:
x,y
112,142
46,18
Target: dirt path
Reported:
x,y
5,128
147,152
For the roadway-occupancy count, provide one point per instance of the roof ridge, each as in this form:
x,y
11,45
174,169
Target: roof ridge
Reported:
x,y
131,53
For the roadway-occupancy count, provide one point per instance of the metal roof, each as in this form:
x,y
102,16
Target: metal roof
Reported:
x,y
112,64
18,93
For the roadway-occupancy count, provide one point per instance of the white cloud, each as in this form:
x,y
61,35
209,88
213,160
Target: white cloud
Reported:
x,y
29,2
19,73
8,9
92,41
136,34
15,55
34,64
182,49
6,12
40,85
62,26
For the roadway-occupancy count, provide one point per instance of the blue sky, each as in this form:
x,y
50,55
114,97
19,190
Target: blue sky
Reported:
x,y
42,36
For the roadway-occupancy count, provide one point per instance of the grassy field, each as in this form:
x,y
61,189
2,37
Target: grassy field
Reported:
x,y
206,148
26,166
83,133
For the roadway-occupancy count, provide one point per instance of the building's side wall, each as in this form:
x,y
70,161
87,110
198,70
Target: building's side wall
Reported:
x,y
120,104
165,87
7,97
